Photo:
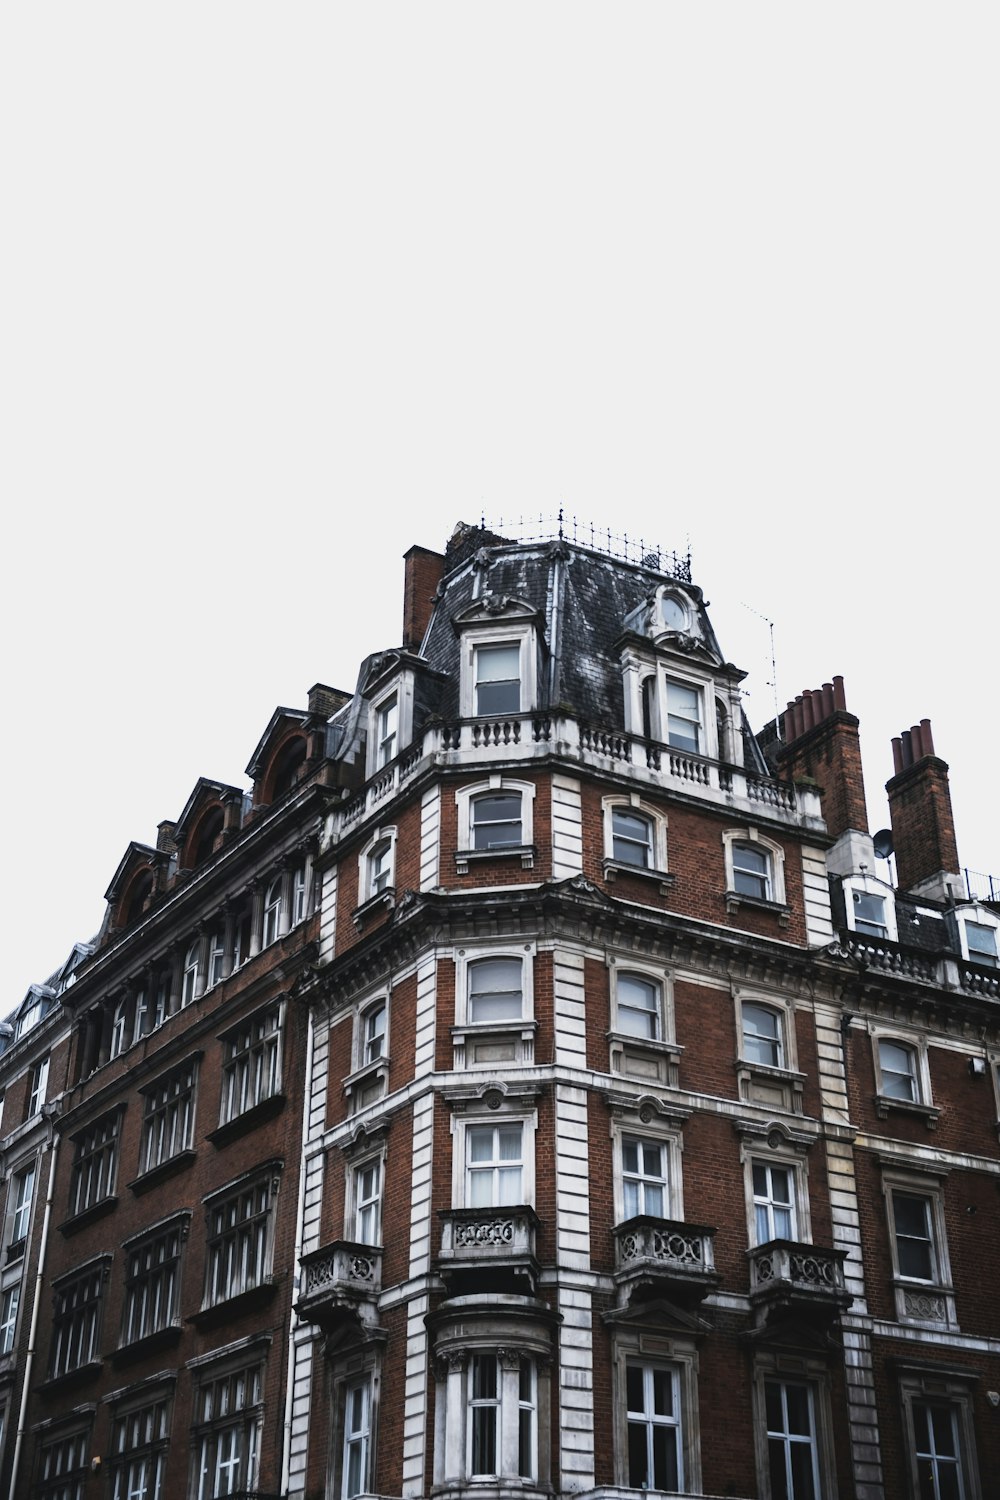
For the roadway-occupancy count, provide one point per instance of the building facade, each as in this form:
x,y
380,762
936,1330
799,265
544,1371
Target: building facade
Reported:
x,y
536,1085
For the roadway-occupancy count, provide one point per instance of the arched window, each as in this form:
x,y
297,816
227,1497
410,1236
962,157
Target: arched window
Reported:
x,y
208,833
639,1005
631,837
189,978
272,911
495,990
288,763
136,903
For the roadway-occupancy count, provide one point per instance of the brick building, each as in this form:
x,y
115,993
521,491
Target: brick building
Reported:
x,y
536,1085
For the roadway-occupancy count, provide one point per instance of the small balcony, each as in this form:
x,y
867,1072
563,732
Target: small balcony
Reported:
x,y
798,1280
488,1245
667,1255
340,1280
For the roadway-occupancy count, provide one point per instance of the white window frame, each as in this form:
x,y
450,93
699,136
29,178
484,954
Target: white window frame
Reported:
x,y
94,1177
465,798
869,885
670,1142
503,633
10,1303
679,1356
978,916
385,715
480,1118
76,1321
168,1116
140,1437
369,1078
400,687
814,1375
926,1301
189,972
152,1297
493,1043
253,1072
366,891
229,1443
752,837
633,803
355,1476
940,1388
37,1086
364,1214
655,1059
227,1275
21,1201
270,920
915,1043
778,1085
785,1158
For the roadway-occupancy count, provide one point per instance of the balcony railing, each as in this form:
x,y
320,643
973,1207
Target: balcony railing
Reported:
x,y
483,1238
801,1279
648,1249
341,1277
524,736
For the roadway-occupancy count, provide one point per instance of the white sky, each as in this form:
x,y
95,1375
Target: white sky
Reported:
x,y
286,288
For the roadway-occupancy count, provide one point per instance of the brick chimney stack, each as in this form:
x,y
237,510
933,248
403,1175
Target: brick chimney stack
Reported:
x,y
923,827
821,742
424,569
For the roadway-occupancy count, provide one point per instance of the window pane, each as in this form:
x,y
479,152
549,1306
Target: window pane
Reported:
x,y
495,989
496,821
638,1005
498,679
632,838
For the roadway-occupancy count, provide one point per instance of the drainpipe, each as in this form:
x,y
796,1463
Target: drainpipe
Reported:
x,y
286,1442
39,1281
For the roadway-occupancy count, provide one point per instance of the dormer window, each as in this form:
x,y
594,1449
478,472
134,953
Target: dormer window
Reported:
x,y
869,914
497,679
683,717
869,908
673,612
387,731
499,652
982,943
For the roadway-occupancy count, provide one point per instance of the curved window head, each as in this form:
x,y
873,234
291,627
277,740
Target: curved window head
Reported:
x,y
638,1003
673,613
752,871
496,820
898,1066
140,894
374,1034
208,833
762,1041
631,837
190,975
495,990
272,910
289,763
380,867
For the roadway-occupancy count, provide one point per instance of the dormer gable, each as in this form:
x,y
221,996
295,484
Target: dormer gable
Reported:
x,y
501,649
134,886
213,811
282,754
673,619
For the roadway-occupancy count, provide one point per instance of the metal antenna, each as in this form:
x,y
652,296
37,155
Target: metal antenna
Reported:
x,y
773,684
